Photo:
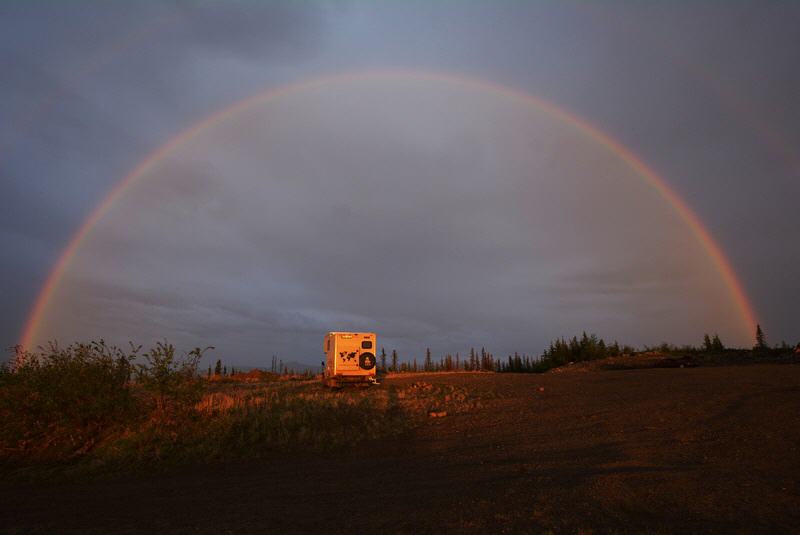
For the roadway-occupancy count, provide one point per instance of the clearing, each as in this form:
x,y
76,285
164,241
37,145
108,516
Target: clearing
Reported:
x,y
626,450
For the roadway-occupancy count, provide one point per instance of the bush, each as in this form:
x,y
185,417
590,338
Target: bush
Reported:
x,y
172,381
59,401
98,402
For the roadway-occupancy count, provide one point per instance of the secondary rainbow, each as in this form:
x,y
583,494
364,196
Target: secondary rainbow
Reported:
x,y
715,253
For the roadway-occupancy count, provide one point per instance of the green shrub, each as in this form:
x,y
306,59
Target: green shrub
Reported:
x,y
59,401
171,381
98,402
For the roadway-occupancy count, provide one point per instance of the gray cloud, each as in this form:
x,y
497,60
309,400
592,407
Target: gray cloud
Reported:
x,y
706,93
417,220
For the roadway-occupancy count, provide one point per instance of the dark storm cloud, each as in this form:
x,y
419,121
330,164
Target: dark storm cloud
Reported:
x,y
89,78
89,87
706,93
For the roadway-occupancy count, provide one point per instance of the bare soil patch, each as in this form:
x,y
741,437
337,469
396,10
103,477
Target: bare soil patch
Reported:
x,y
664,449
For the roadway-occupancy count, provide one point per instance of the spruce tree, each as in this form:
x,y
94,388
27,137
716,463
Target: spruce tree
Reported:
x,y
394,360
707,345
428,363
218,368
761,339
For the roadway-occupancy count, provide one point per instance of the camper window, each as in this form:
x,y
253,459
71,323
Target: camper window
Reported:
x,y
366,344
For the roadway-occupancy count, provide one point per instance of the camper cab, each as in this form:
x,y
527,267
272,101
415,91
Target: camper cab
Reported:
x,y
349,358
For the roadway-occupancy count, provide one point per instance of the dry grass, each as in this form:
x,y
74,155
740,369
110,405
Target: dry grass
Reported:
x,y
257,421
236,421
96,403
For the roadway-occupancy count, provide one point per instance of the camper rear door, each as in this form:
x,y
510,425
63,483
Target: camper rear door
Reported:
x,y
345,345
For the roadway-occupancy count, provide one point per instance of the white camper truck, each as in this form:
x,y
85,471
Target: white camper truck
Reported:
x,y
349,358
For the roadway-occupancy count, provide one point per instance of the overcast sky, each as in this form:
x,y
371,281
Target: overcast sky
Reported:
x,y
435,213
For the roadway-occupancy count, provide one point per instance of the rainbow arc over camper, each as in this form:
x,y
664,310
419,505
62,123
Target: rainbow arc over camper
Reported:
x,y
705,239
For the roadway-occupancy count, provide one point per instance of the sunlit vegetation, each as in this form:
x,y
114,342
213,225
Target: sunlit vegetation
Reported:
x,y
99,402
60,402
94,401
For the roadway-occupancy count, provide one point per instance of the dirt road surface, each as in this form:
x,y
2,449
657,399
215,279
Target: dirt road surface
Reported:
x,y
658,450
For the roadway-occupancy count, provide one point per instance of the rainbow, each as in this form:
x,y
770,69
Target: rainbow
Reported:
x,y
703,236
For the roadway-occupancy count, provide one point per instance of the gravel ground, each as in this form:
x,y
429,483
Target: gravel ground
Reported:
x,y
705,449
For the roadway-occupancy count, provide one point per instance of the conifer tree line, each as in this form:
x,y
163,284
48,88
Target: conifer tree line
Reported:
x,y
588,347
277,366
482,360
220,370
561,351
712,344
